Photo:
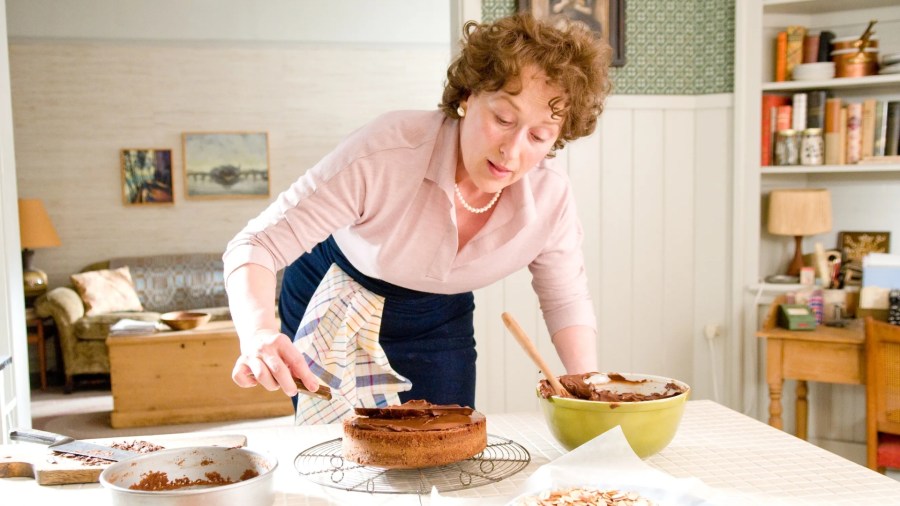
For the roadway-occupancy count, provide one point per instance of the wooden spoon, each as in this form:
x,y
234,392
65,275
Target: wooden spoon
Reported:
x,y
532,352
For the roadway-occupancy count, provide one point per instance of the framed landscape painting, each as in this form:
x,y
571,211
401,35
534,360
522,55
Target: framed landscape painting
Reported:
x,y
147,176
226,165
606,18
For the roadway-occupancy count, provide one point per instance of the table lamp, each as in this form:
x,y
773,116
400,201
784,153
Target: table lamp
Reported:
x,y
799,212
35,231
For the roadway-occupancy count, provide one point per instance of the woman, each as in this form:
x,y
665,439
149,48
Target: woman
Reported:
x,y
424,207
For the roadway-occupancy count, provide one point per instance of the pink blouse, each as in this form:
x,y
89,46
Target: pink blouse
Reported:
x,y
386,195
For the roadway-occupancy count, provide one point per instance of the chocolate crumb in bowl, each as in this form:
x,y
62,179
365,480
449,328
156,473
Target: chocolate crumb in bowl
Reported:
x,y
156,480
207,475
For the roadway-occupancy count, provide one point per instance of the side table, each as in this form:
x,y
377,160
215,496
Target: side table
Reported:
x,y
33,321
825,354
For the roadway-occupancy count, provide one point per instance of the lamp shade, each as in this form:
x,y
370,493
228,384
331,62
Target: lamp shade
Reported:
x,y
799,212
35,228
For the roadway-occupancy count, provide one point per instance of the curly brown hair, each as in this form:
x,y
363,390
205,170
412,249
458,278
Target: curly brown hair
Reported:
x,y
573,58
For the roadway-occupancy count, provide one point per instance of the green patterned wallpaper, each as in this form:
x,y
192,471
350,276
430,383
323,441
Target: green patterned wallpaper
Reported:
x,y
671,47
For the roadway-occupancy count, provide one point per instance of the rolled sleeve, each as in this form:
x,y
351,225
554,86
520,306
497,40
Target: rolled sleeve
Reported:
x,y
558,273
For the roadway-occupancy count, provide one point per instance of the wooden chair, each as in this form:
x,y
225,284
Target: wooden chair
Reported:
x,y
882,395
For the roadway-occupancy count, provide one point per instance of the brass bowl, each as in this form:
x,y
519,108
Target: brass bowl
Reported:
x,y
185,320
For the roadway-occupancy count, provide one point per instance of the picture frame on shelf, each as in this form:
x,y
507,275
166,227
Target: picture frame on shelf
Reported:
x,y
147,176
606,18
856,245
226,165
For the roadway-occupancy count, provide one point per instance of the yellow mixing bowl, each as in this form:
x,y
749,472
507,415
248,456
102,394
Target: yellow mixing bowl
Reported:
x,y
649,426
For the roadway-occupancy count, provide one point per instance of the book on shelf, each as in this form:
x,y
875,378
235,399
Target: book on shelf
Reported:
x,y
833,131
842,136
794,49
854,132
781,57
868,128
880,159
798,112
879,135
770,105
825,38
892,129
783,117
815,108
811,48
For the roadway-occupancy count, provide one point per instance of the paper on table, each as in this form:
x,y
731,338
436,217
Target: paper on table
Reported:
x,y
608,462
128,326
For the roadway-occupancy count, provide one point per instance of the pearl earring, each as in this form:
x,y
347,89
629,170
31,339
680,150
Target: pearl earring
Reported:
x,y
460,111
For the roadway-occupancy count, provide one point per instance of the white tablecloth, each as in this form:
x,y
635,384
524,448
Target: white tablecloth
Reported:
x,y
725,449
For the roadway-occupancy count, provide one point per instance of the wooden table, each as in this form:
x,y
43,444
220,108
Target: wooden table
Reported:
x,y
826,354
32,320
184,377
742,461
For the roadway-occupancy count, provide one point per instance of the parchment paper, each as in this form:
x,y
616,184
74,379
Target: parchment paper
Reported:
x,y
608,462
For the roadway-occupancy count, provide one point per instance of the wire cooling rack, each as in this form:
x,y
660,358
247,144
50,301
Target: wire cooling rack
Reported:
x,y
323,464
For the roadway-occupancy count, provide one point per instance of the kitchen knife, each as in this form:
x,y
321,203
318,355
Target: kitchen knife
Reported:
x,y
66,444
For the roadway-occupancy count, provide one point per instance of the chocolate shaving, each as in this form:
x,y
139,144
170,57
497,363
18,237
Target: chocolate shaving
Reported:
x,y
135,446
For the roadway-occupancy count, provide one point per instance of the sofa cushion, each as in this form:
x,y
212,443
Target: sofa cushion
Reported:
x,y
107,291
96,327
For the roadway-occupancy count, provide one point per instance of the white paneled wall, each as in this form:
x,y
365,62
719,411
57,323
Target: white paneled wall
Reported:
x,y
653,190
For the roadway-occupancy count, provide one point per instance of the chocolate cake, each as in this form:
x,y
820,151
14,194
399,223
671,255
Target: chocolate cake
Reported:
x,y
413,434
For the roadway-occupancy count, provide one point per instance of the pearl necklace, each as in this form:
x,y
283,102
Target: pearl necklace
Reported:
x,y
477,210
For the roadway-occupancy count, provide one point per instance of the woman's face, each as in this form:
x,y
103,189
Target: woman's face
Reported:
x,y
503,136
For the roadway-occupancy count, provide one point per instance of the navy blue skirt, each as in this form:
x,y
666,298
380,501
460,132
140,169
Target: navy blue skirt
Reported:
x,y
428,338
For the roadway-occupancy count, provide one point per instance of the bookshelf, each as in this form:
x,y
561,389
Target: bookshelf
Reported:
x,y
864,196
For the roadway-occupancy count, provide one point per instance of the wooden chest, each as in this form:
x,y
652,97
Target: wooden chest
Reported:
x,y
184,377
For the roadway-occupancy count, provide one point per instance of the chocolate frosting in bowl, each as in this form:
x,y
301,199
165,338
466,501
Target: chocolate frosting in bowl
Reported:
x,y
611,387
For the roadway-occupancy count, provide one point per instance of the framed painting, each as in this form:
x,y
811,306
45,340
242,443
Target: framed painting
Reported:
x,y
856,245
147,176
226,165
606,18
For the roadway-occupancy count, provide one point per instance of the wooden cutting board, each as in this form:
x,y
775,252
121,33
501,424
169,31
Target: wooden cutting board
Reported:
x,y
30,460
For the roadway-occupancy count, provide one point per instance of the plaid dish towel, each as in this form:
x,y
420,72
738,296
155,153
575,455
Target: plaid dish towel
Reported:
x,y
338,336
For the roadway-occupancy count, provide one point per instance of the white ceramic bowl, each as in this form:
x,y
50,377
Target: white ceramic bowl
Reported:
x,y
813,71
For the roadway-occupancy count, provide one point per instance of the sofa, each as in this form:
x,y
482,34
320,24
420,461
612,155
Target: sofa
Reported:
x,y
162,283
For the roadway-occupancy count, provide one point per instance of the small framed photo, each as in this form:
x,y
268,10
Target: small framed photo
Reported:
x,y
226,165
147,176
856,245
605,17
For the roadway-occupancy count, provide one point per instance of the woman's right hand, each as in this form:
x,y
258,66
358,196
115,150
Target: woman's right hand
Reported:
x,y
270,359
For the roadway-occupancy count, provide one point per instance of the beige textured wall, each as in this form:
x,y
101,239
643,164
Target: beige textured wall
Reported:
x,y
77,103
